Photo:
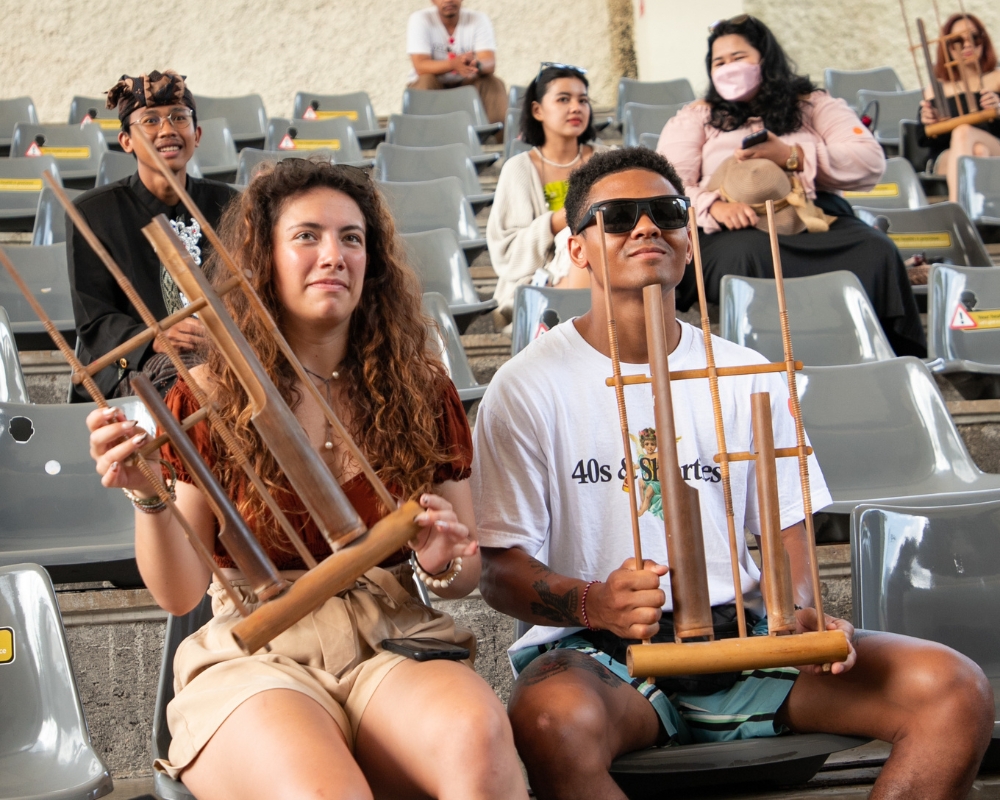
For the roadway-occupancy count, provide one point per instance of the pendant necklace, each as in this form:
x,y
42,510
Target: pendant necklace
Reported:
x,y
327,382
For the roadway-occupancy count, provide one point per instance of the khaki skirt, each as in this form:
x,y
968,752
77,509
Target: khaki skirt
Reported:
x,y
333,655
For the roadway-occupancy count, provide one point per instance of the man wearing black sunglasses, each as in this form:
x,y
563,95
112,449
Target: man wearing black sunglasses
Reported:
x,y
552,508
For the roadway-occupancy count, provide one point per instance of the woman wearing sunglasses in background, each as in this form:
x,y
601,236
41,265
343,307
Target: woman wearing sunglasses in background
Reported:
x,y
527,228
814,143
975,49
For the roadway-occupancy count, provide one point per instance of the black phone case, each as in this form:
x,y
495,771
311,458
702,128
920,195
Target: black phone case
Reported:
x,y
757,137
426,649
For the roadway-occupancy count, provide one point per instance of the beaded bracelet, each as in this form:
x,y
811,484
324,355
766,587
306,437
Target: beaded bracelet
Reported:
x,y
583,606
155,504
440,580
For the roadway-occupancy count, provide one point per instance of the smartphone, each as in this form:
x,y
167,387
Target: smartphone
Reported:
x,y
758,137
426,649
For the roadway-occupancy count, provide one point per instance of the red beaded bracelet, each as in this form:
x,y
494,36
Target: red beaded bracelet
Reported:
x,y
583,605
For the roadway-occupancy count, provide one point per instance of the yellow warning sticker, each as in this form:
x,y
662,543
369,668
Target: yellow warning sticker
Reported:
x,y
351,115
920,241
880,190
317,144
6,645
986,319
108,124
20,184
67,152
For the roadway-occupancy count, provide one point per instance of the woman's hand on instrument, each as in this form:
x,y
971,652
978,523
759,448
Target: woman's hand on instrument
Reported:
x,y
630,602
773,150
442,537
733,215
113,439
989,100
805,619
928,114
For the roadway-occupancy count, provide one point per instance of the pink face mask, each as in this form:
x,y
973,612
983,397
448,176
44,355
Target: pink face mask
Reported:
x,y
736,81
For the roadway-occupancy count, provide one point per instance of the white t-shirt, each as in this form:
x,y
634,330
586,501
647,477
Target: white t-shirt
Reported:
x,y
427,36
548,474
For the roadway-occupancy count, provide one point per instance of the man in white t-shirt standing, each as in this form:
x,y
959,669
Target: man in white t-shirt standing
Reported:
x,y
453,47
549,489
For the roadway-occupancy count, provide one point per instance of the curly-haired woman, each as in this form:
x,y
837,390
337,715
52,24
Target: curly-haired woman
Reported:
x,y
815,139
328,712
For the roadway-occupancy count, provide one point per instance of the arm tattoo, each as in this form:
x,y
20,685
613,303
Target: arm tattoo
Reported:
x,y
558,608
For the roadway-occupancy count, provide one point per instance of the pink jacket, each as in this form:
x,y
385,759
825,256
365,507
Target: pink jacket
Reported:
x,y
839,152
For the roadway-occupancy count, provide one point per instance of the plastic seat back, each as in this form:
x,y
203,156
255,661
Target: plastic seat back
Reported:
x,y
216,153
355,107
12,111
640,119
335,135
432,130
426,205
44,270
830,316
963,323
45,747
115,166
512,143
449,348
649,140
847,83
438,258
50,218
397,163
892,108
21,185
515,97
979,189
942,230
899,187
653,93
462,98
245,115
251,159
77,150
537,309
882,430
910,147
13,387
94,107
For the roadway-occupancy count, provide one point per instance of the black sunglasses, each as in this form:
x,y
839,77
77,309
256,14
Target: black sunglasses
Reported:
x,y
668,212
556,65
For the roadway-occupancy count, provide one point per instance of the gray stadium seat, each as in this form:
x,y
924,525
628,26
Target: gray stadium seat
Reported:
x,y
449,342
335,135
50,218
106,118
649,140
512,143
245,115
847,83
640,118
652,93
423,102
531,302
44,270
979,189
432,130
45,748
216,155
831,319
954,293
515,98
881,431
394,162
13,387
438,259
899,187
115,166
251,159
77,150
919,155
426,205
21,185
355,107
932,572
893,108
56,513
12,111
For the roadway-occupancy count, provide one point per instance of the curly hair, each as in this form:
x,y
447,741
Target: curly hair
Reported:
x,y
532,130
988,59
396,383
778,100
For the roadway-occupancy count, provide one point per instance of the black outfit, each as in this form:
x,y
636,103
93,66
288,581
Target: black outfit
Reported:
x,y
938,144
849,245
117,214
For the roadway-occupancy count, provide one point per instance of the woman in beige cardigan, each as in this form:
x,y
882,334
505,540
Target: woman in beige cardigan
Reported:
x,y
527,228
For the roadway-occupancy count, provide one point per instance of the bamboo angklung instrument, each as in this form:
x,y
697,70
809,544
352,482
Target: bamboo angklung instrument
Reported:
x,y
284,436
726,655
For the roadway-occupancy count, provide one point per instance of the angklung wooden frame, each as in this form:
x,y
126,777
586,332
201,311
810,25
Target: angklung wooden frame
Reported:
x,y
355,549
682,519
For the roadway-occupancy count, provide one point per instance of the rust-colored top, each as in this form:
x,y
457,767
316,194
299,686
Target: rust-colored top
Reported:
x,y
455,435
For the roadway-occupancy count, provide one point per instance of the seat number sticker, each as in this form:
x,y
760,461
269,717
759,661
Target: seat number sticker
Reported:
x,y
880,190
316,144
6,645
20,184
965,320
917,241
351,115
67,152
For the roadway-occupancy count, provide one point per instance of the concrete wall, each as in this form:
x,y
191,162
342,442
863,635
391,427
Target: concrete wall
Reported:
x,y
62,48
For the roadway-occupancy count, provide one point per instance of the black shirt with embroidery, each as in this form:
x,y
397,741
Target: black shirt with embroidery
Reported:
x,y
117,213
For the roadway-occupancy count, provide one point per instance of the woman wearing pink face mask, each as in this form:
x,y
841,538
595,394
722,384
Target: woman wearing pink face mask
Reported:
x,y
818,142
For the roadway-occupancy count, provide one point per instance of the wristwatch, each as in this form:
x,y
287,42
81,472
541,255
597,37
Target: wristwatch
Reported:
x,y
792,164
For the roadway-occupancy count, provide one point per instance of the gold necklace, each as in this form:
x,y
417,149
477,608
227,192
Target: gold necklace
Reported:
x,y
327,382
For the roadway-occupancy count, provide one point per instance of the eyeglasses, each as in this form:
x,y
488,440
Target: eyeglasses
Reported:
x,y
668,212
556,65
179,121
737,20
976,40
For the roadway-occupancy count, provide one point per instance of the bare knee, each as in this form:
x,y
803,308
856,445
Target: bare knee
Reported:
x,y
553,730
961,138
951,689
478,733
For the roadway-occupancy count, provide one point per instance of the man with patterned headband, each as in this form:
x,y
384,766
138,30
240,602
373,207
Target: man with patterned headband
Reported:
x,y
162,106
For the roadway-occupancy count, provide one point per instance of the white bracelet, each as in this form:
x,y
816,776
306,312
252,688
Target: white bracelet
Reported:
x,y
442,579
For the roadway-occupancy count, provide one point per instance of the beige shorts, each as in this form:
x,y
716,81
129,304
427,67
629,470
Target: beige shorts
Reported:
x,y
333,655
